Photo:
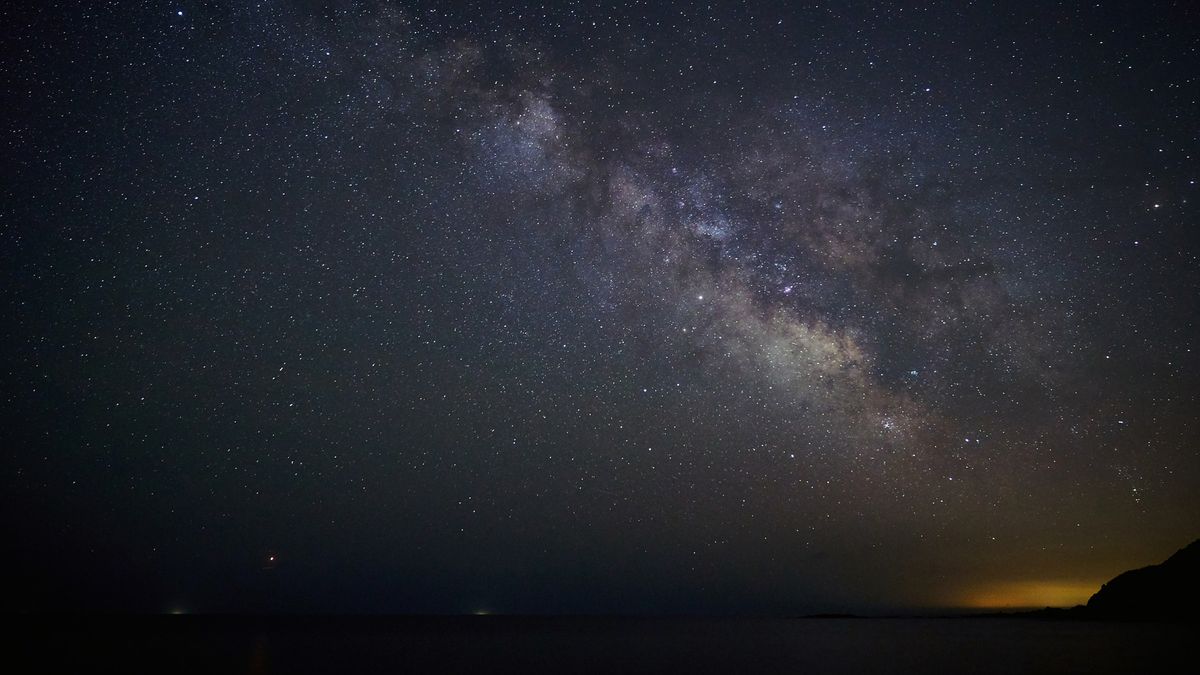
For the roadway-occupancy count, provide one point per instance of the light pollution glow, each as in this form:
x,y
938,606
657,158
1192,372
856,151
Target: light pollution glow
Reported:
x,y
1028,594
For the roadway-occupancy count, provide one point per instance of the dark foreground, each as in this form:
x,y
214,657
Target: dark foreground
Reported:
x,y
510,644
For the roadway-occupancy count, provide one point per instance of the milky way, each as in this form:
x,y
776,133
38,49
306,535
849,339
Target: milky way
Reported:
x,y
665,308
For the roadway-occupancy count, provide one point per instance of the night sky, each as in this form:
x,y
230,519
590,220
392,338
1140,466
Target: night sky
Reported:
x,y
652,307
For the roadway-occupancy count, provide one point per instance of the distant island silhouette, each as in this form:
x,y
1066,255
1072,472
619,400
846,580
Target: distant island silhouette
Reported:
x,y
1169,591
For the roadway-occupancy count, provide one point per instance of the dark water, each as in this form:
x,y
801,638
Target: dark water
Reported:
x,y
572,645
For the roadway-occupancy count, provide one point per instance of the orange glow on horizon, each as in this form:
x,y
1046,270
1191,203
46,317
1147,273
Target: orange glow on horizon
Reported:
x,y
1029,594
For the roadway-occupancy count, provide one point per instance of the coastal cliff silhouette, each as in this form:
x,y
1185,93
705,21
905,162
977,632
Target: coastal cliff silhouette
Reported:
x,y
1169,590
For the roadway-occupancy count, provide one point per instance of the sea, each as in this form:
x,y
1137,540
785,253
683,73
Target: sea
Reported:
x,y
495,644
